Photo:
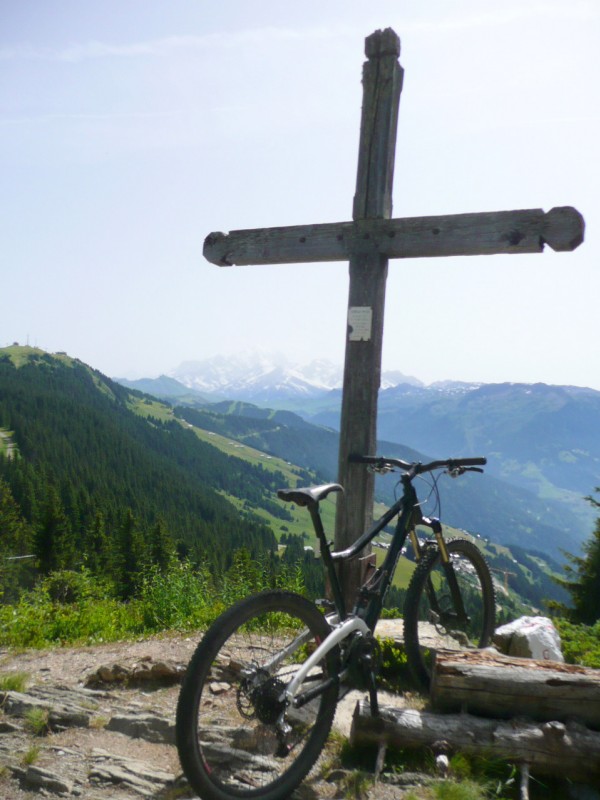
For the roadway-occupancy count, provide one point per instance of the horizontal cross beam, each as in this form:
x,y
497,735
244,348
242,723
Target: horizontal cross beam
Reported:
x,y
487,233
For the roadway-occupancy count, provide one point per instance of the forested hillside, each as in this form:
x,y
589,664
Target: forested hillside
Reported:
x,y
496,509
280,433
96,475
93,482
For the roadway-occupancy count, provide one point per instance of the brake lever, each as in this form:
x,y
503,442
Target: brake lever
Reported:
x,y
381,470
455,472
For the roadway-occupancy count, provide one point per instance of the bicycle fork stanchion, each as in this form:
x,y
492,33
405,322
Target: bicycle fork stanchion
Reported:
x,y
448,568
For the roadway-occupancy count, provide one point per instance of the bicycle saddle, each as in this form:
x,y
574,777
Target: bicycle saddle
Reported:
x,y
309,496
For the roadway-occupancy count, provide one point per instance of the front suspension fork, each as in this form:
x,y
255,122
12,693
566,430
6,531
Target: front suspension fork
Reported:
x,y
457,600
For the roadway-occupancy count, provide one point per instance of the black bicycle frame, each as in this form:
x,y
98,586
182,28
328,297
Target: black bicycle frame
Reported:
x,y
372,593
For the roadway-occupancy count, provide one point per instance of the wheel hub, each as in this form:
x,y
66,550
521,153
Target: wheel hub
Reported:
x,y
261,697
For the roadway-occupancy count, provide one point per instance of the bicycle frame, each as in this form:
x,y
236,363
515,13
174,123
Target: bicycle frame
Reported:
x,y
337,635
283,661
365,614
372,593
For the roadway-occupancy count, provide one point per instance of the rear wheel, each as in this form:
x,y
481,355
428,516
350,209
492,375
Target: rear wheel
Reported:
x,y
449,606
236,736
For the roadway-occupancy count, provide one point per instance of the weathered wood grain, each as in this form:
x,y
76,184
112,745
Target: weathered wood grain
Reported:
x,y
367,243
382,85
491,684
486,233
550,748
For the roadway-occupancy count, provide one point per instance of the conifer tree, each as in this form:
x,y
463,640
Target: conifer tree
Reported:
x,y
55,547
17,569
583,577
97,550
132,552
162,548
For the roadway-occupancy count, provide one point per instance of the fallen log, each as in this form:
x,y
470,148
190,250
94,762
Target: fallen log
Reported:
x,y
549,748
492,685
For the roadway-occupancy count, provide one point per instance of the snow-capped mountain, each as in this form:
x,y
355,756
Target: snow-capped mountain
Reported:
x,y
259,378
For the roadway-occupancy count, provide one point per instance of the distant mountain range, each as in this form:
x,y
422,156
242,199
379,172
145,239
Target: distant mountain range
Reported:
x,y
542,439
258,378
107,474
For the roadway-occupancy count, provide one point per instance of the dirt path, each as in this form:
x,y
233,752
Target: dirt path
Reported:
x,y
95,749
114,740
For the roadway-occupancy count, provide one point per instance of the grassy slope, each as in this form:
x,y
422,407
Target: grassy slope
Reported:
x,y
301,524
148,407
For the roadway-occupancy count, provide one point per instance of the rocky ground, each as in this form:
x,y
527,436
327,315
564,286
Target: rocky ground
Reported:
x,y
98,722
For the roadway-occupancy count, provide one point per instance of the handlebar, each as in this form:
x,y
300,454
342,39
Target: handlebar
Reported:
x,y
384,464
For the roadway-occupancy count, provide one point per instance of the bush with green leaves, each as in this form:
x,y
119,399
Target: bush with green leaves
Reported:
x,y
185,596
66,607
13,681
394,673
75,607
580,643
180,597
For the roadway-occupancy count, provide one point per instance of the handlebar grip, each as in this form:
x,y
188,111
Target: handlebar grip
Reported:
x,y
478,461
416,468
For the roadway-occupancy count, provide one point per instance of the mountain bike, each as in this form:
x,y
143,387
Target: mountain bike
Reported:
x,y
260,692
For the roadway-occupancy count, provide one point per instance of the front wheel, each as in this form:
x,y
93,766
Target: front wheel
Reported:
x,y
236,735
448,606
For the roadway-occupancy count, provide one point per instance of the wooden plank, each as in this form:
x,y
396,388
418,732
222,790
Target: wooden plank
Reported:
x,y
550,748
491,684
485,233
382,86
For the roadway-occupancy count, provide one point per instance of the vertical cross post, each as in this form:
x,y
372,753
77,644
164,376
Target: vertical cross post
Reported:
x,y
368,242
382,84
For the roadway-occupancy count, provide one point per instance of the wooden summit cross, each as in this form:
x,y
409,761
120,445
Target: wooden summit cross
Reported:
x,y
368,242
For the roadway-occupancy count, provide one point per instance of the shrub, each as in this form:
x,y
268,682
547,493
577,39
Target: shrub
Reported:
x,y
76,607
580,643
67,586
248,576
181,597
38,620
394,674
37,720
13,681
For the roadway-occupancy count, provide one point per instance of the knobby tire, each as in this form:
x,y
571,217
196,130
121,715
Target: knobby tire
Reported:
x,y
227,739
474,581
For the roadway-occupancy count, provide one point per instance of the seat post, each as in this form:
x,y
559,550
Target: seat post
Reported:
x,y
334,584
317,522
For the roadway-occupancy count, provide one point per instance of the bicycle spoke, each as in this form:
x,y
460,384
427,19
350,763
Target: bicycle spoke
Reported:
x,y
236,731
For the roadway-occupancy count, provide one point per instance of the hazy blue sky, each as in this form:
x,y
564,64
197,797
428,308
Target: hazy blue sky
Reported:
x,y
130,129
